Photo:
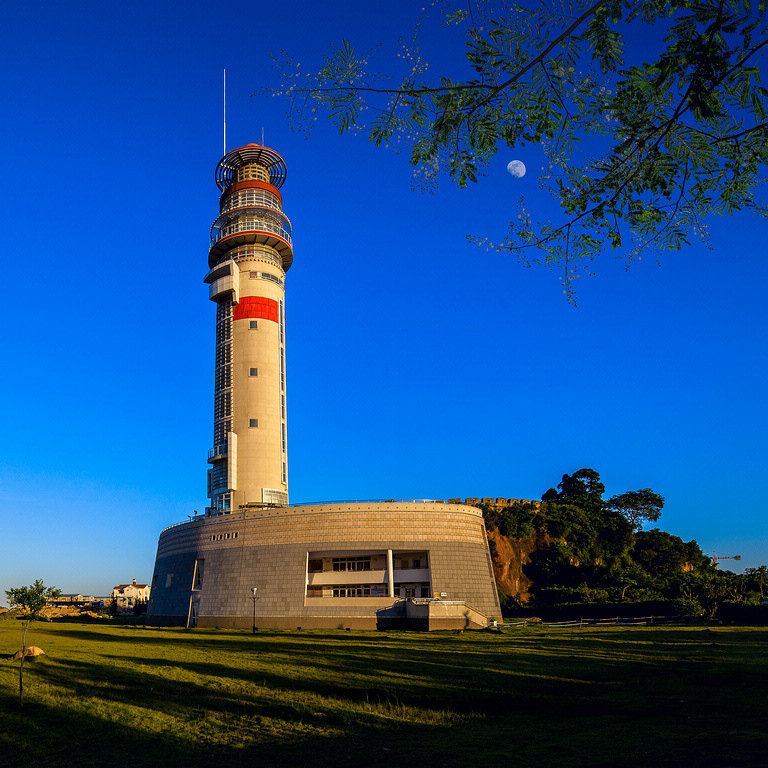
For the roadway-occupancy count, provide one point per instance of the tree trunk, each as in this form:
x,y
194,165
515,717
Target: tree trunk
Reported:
x,y
21,666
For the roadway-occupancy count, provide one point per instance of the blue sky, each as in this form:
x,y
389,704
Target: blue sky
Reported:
x,y
418,365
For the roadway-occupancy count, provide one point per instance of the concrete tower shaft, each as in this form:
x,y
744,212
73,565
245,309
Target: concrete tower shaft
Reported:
x,y
250,253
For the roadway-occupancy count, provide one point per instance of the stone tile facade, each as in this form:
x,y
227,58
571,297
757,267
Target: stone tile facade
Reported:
x,y
206,568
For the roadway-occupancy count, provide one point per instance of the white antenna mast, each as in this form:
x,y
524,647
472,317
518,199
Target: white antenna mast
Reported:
x,y
262,137
225,111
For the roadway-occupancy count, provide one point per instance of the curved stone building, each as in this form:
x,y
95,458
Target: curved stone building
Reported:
x,y
422,565
253,559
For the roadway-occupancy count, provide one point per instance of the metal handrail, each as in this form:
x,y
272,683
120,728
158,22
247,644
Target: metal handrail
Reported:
x,y
368,501
266,200
263,225
325,503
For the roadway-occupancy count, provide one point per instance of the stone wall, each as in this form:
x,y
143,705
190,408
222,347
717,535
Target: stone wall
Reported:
x,y
268,549
493,502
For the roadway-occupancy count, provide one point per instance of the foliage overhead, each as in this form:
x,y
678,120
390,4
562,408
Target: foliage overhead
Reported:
x,y
651,114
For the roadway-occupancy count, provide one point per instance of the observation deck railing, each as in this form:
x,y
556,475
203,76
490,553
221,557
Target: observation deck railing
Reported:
x,y
215,512
368,501
241,200
262,225
218,451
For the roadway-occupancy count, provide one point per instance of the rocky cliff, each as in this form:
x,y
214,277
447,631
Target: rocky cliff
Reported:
x,y
509,558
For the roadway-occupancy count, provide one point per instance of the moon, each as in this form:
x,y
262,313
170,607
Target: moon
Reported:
x,y
516,168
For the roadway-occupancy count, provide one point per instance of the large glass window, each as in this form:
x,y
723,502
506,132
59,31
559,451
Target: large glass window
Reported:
x,y
248,197
197,582
353,590
352,563
219,476
222,409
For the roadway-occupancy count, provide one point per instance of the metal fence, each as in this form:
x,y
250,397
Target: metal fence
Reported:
x,y
629,621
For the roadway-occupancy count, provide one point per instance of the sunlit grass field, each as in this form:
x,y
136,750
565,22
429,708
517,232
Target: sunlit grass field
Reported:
x,y
131,696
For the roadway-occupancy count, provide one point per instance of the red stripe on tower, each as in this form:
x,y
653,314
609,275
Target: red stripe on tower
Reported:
x,y
256,306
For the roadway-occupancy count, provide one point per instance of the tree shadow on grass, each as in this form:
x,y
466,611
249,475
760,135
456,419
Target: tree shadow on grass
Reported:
x,y
461,672
445,673
186,688
281,699
174,723
86,741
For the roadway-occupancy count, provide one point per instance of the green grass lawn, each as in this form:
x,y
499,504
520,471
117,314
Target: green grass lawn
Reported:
x,y
130,696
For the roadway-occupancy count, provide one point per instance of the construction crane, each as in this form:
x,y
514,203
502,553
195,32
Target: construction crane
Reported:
x,y
717,558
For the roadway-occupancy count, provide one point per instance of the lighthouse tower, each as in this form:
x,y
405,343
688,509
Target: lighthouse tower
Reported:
x,y
369,565
249,255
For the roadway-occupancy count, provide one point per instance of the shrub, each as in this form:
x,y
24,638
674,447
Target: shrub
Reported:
x,y
683,607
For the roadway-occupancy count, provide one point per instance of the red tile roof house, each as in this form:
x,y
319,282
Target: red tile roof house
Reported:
x,y
126,596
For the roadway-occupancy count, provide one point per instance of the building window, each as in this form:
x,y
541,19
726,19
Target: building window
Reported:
x,y
253,422
266,276
219,478
353,590
253,324
168,580
315,566
417,563
253,371
154,581
351,563
222,501
252,171
257,251
197,581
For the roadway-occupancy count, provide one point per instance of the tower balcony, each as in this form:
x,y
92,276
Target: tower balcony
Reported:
x,y
217,452
246,226
251,217
249,197
246,234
